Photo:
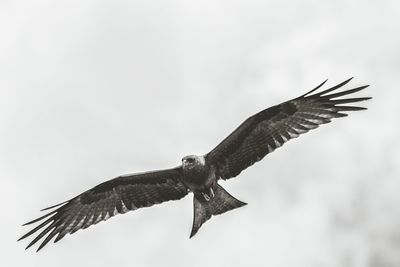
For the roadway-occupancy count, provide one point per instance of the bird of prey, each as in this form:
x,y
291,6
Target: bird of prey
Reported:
x,y
256,137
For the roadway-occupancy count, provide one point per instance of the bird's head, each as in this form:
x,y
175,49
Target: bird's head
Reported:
x,y
192,161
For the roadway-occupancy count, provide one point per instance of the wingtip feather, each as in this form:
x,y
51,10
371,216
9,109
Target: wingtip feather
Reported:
x,y
335,87
41,246
322,83
59,204
348,80
30,245
40,218
350,108
314,89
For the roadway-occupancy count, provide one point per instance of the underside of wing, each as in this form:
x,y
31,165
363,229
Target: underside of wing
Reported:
x,y
116,196
269,129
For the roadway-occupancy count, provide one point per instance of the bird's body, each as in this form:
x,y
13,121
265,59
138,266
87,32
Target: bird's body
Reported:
x,y
256,137
197,175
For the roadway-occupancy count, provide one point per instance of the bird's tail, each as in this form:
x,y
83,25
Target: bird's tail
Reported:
x,y
221,202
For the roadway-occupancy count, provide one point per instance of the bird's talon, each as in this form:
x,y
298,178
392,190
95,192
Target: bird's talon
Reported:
x,y
206,197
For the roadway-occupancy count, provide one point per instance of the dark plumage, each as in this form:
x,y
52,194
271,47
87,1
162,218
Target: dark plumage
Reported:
x,y
116,196
269,129
257,136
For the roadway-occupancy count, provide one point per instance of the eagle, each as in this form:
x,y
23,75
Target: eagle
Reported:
x,y
256,137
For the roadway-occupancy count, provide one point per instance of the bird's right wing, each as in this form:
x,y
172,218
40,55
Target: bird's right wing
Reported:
x,y
269,129
116,196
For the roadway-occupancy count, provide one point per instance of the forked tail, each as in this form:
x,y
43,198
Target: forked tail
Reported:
x,y
220,203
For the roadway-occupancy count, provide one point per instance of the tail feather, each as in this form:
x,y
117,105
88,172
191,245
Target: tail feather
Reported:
x,y
220,203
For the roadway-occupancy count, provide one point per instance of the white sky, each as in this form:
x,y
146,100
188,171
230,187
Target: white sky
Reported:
x,y
93,89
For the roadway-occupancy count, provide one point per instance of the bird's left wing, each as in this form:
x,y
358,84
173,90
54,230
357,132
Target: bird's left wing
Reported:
x,y
269,129
116,196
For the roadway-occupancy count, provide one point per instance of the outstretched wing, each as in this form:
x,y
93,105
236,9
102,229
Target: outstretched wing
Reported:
x,y
269,129
119,195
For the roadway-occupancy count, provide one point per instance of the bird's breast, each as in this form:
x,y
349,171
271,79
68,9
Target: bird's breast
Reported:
x,y
198,178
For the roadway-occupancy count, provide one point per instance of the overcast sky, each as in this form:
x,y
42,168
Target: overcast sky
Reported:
x,y
93,89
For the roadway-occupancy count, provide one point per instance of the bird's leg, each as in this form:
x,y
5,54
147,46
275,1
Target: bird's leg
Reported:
x,y
206,197
209,195
212,192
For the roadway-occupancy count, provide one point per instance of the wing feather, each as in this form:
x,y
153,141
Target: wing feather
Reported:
x,y
269,129
116,196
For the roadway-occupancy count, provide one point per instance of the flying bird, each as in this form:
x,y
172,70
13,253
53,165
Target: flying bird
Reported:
x,y
256,137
